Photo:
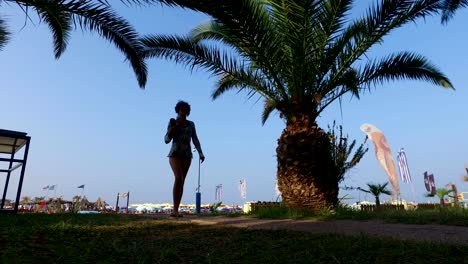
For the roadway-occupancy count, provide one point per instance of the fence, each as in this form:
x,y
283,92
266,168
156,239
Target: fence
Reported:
x,y
382,207
264,205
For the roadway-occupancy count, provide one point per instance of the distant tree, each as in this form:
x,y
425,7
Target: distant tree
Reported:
x,y
100,204
377,190
25,200
214,207
440,193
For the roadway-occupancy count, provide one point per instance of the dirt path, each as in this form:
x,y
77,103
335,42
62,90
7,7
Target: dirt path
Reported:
x,y
434,233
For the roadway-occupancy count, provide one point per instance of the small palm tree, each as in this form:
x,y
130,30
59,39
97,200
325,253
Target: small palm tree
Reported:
x,y
300,56
37,200
26,200
377,190
440,193
100,204
62,16
214,207
342,150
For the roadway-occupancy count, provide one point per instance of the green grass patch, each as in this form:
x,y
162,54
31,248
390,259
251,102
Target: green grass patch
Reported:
x,y
35,238
442,216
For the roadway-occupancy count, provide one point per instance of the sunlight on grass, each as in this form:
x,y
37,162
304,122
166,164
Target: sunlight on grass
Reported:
x,y
444,216
135,239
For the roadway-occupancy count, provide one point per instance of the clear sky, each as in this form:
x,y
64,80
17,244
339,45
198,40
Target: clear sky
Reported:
x,y
91,124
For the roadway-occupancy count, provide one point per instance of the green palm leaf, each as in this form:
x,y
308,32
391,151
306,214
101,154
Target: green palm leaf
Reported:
x,y
4,34
403,65
234,75
98,17
59,23
300,55
449,7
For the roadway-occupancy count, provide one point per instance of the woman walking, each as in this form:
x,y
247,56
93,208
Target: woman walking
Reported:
x,y
181,131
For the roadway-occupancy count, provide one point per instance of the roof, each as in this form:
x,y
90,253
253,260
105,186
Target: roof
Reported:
x,y
7,141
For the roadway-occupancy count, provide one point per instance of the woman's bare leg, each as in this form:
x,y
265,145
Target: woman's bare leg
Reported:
x,y
177,190
185,165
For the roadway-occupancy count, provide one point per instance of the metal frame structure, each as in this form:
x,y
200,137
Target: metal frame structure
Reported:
x,y
10,143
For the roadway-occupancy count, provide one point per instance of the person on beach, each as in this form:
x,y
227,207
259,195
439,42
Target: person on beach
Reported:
x,y
181,131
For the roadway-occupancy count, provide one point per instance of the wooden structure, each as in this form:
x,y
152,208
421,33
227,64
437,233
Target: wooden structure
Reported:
x,y
10,143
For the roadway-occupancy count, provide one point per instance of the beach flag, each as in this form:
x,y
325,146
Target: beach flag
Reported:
x,y
52,187
81,186
278,192
124,195
403,166
218,192
243,189
429,182
384,156
45,187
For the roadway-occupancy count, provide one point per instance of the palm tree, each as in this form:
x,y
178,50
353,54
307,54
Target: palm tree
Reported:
x,y
300,56
25,200
62,16
377,190
441,193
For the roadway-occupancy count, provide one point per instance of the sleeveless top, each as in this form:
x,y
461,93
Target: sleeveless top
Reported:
x,y
181,137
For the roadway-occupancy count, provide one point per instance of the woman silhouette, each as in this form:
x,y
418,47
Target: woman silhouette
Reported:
x,y
181,131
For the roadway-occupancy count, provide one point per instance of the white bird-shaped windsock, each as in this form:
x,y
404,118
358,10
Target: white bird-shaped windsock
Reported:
x,y
384,155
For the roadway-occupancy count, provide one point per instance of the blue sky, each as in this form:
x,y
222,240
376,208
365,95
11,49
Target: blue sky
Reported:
x,y
91,124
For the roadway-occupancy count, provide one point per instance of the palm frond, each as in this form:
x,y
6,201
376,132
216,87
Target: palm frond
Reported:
x,y
59,23
449,7
368,31
246,27
242,79
299,29
269,107
97,17
4,34
184,50
403,65
342,151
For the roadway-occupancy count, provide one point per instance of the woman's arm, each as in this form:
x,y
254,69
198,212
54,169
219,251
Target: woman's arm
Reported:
x,y
168,136
196,142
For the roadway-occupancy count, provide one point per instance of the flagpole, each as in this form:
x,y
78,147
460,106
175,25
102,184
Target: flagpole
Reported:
x,y
117,203
128,197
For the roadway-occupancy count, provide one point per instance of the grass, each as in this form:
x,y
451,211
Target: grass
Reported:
x,y
443,216
37,238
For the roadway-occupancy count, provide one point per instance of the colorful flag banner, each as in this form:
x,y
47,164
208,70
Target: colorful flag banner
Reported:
x,y
403,166
218,192
384,156
243,189
278,192
429,183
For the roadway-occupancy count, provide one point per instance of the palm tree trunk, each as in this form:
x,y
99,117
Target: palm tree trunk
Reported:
x,y
305,174
377,201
